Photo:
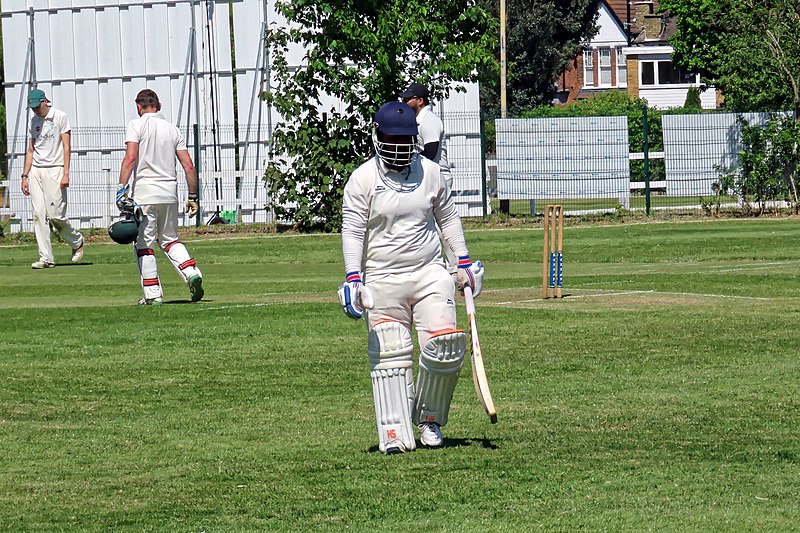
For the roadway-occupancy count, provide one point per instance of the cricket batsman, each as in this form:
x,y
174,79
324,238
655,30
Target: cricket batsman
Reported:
x,y
396,278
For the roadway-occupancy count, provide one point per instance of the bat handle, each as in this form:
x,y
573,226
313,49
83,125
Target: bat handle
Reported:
x,y
469,301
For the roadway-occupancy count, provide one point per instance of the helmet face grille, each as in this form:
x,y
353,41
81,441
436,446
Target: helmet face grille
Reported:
x,y
395,155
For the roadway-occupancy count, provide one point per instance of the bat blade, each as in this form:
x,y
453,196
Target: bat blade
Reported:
x,y
476,357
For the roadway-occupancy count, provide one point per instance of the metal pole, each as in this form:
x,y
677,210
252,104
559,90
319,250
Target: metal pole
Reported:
x,y
628,22
646,150
33,53
196,126
503,101
195,69
483,166
198,218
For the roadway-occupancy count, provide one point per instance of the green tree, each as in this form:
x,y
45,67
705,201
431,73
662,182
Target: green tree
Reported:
x,y
693,102
542,37
362,53
768,164
749,49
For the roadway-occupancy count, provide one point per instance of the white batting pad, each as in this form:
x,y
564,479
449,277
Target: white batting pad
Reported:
x,y
439,364
391,368
148,272
179,256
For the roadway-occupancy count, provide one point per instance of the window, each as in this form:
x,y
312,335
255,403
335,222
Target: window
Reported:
x,y
665,73
604,55
648,74
588,69
622,69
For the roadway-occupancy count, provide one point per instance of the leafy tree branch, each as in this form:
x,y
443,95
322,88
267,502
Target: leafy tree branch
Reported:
x,y
356,55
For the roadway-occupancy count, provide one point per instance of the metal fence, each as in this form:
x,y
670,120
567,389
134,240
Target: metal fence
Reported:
x,y
585,163
465,153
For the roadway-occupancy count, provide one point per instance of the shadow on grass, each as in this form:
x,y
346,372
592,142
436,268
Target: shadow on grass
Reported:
x,y
451,443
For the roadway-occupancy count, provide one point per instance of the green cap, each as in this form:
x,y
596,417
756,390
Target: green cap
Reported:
x,y
35,98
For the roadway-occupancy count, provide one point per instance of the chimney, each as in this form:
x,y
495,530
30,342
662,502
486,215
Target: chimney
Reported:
x,y
642,9
646,20
653,27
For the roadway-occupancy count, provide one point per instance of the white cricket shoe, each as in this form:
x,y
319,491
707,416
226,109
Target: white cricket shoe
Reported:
x,y
150,301
430,434
77,253
394,446
42,264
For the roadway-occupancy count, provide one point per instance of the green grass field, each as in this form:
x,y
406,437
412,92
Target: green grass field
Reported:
x,y
660,395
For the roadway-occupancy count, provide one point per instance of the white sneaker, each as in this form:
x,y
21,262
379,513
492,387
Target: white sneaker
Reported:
x,y
41,264
394,446
77,253
430,434
151,301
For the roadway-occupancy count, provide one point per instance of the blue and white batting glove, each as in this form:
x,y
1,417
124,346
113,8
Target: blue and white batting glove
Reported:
x,y
469,275
354,296
123,202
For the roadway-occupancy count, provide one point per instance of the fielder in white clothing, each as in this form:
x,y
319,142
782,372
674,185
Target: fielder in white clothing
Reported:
x,y
432,143
153,147
45,178
396,278
431,129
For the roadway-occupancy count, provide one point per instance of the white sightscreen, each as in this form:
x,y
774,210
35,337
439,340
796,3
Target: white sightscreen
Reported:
x,y
558,158
91,57
698,149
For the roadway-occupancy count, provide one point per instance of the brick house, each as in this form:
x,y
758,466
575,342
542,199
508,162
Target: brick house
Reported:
x,y
636,62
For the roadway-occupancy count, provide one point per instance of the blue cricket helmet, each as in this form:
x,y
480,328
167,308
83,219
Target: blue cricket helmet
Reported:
x,y
399,120
396,118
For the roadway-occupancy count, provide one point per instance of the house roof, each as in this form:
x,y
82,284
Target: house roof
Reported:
x,y
620,9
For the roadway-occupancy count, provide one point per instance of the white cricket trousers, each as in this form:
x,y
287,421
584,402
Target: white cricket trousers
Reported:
x,y
160,226
49,202
424,299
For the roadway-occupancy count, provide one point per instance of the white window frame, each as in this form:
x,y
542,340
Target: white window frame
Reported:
x,y
656,81
604,66
622,69
588,68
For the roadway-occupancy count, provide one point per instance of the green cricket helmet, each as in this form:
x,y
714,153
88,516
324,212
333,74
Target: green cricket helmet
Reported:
x,y
124,231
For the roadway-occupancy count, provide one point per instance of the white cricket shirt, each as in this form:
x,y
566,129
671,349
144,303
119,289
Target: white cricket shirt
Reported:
x,y
155,179
431,130
48,150
389,219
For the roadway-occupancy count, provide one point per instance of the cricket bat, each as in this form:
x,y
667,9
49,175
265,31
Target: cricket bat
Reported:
x,y
478,373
